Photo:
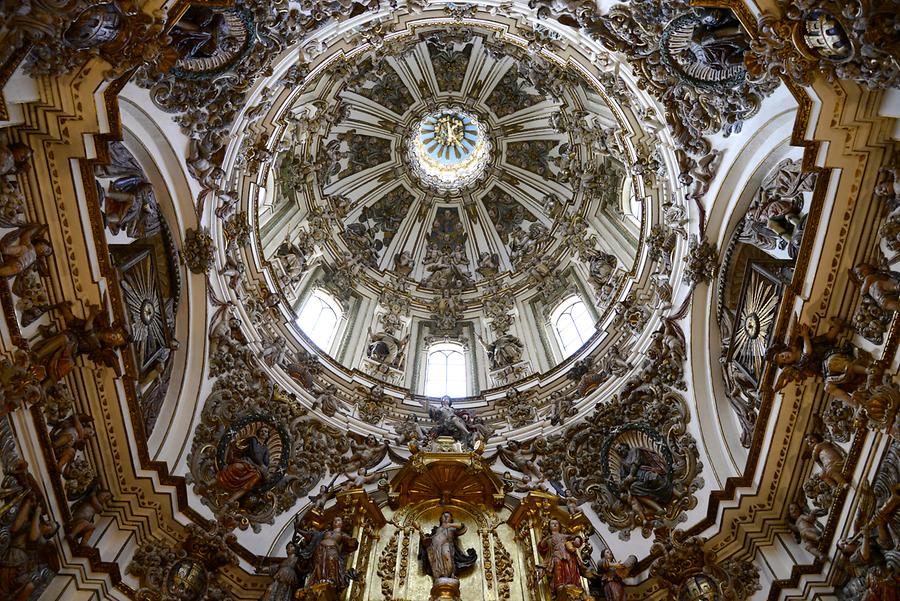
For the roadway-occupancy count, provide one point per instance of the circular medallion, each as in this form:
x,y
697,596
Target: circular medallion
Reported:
x,y
825,38
699,587
148,311
752,326
449,149
186,580
705,48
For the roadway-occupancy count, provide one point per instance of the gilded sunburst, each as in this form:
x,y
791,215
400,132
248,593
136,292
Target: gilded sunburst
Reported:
x,y
757,313
145,309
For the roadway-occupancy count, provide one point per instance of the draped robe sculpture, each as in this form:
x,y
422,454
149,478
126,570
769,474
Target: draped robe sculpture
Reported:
x,y
442,558
326,553
561,562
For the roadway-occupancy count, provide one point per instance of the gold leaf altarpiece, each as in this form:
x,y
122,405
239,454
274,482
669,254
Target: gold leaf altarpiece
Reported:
x,y
503,530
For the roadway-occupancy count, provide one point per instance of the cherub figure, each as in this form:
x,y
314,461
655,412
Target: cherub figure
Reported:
x,y
883,287
326,492
93,336
232,271
68,437
22,248
515,456
563,408
359,480
570,502
410,430
482,430
842,366
829,457
327,400
13,158
80,528
804,524
366,453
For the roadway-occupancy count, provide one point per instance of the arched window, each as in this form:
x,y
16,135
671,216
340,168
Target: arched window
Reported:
x,y
573,324
445,371
319,319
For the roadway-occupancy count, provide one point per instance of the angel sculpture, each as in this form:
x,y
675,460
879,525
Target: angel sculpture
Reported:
x,y
129,205
365,454
328,401
829,457
81,526
570,501
25,528
873,552
563,408
410,430
359,480
69,436
481,429
882,287
22,248
488,264
515,455
93,336
403,263
13,158
842,365
805,525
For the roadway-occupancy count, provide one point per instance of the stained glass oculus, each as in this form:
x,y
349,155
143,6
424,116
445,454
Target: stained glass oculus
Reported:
x,y
449,149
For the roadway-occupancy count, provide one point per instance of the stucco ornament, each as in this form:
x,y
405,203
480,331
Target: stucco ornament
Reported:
x,y
188,569
689,569
198,251
633,458
256,450
853,40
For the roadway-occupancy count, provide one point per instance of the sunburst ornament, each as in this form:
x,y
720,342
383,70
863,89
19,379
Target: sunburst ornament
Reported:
x,y
145,307
449,149
755,318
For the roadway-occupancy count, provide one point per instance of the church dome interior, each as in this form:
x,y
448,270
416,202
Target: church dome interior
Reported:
x,y
410,300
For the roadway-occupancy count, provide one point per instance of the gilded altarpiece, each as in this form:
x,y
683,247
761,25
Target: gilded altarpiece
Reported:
x,y
497,545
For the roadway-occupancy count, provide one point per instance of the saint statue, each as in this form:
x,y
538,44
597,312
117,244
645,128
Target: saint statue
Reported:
x,y
449,421
561,562
247,463
440,554
609,574
644,475
326,553
284,578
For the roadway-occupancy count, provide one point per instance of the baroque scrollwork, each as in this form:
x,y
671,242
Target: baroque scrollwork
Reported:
x,y
645,470
256,449
689,569
841,40
188,569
